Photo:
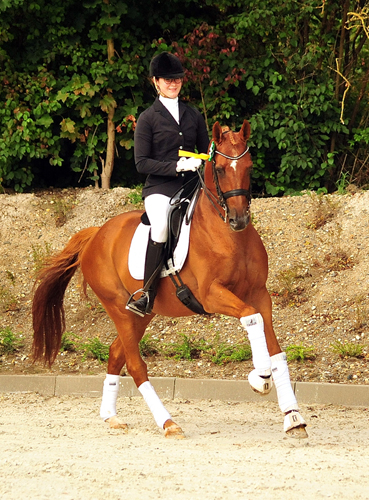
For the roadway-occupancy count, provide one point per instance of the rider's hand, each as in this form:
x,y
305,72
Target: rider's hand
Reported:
x,y
188,164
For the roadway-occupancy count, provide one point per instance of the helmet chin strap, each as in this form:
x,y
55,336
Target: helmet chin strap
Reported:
x,y
159,91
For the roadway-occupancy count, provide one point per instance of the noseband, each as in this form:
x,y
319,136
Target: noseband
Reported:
x,y
223,197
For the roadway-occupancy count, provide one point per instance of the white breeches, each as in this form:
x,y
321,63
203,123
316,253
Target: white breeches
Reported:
x,y
158,207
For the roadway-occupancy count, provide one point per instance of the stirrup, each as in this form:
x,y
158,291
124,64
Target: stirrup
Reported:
x,y
260,384
131,303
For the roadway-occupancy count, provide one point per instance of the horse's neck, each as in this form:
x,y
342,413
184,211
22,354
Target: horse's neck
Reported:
x,y
210,215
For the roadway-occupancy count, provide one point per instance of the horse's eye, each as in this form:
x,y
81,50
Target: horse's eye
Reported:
x,y
220,171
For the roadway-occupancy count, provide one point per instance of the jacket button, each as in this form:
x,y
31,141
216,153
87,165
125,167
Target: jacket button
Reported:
x,y
180,147
180,133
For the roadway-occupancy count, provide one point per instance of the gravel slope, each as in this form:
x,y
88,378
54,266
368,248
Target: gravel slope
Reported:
x,y
318,278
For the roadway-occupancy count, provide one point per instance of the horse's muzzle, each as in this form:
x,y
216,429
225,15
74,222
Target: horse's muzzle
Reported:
x,y
239,223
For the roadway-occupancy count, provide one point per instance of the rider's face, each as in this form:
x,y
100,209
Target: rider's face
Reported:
x,y
170,87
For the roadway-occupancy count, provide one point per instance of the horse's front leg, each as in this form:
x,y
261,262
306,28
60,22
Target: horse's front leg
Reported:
x,y
267,357
294,424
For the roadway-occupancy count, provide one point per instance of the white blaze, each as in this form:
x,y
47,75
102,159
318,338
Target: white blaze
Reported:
x,y
234,164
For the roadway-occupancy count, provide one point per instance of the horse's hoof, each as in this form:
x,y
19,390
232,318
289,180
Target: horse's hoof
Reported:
x,y
116,423
173,431
294,425
297,432
260,385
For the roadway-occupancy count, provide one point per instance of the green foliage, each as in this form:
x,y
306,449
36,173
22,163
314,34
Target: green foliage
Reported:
x,y
95,349
135,197
300,353
189,348
68,342
227,353
9,342
348,349
149,346
271,62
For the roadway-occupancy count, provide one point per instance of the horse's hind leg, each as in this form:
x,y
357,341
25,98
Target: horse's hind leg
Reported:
x,y
108,408
131,328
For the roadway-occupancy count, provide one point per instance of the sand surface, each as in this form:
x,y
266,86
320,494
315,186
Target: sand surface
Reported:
x,y
58,448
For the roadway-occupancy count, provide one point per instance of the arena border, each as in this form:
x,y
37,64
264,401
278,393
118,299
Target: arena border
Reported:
x,y
183,388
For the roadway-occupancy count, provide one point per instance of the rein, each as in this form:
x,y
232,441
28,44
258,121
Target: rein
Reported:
x,y
223,197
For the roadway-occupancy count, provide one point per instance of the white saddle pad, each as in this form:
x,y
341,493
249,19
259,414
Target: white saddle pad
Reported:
x,y
137,251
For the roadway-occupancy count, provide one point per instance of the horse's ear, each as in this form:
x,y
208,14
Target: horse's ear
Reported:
x,y
245,130
217,133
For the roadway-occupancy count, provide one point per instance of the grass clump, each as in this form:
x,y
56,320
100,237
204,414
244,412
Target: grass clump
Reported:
x,y
188,349
300,353
228,353
289,285
8,301
95,349
340,256
39,255
61,207
67,342
348,349
149,346
324,210
9,342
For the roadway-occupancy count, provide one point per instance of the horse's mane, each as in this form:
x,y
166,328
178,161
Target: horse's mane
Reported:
x,y
226,129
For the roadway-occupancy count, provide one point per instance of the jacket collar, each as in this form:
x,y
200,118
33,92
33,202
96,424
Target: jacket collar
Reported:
x,y
160,108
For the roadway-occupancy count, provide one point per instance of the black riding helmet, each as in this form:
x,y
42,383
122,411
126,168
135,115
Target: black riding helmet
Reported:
x,y
166,65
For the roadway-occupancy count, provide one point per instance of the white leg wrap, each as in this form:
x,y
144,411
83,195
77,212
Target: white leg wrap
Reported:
x,y
259,379
160,413
254,325
286,397
108,406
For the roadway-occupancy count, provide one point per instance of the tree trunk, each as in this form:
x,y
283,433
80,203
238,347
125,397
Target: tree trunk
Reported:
x,y
108,165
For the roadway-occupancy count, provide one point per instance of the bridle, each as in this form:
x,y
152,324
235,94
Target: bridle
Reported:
x,y
223,197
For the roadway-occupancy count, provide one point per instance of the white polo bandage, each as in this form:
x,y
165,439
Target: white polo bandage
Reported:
x,y
286,397
109,397
254,325
160,413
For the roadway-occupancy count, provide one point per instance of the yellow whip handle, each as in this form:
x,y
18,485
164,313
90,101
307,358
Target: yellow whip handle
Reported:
x,y
189,154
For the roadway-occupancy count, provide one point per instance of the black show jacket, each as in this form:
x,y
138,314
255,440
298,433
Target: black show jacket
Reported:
x,y
157,139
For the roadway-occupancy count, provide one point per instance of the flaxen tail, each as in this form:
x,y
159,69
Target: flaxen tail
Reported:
x,y
47,308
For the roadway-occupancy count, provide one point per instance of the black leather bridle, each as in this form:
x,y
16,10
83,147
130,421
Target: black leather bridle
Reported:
x,y
223,197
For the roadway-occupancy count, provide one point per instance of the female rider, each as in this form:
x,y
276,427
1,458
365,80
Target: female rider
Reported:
x,y
165,127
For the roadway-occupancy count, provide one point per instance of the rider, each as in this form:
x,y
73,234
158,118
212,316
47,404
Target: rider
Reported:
x,y
165,127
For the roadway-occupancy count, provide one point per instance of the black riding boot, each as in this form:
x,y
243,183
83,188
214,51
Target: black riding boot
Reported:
x,y
153,265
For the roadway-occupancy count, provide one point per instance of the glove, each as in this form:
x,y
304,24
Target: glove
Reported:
x,y
188,164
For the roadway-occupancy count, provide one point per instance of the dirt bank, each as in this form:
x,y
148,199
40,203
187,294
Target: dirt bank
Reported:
x,y
319,280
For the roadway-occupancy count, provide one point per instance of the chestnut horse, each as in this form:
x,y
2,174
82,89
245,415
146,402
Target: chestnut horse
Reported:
x,y
226,270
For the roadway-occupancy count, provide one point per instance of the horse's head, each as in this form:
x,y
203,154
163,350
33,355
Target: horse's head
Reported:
x,y
231,169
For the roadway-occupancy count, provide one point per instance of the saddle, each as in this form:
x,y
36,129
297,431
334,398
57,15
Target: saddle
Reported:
x,y
179,221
